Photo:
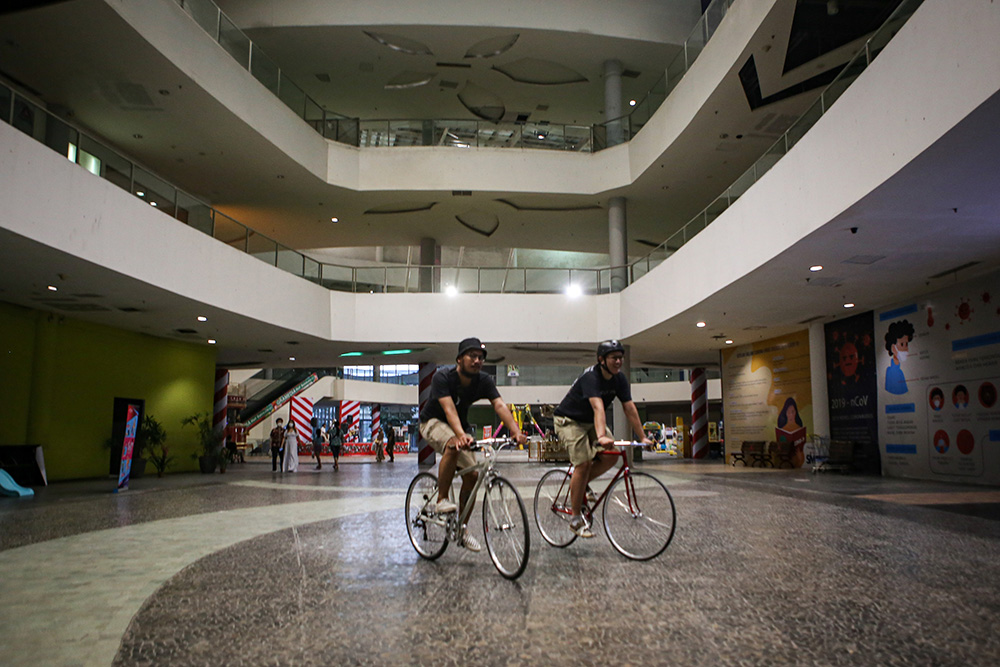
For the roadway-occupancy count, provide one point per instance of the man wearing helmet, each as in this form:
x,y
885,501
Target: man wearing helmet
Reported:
x,y
444,423
582,427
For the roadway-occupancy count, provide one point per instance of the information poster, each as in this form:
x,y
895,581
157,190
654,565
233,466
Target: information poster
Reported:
x,y
852,385
938,377
767,393
131,428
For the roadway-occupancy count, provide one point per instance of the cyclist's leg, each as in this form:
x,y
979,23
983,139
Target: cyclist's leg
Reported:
x,y
601,465
437,434
580,441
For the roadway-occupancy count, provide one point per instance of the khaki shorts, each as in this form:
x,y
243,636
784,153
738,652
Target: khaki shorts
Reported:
x,y
437,434
579,439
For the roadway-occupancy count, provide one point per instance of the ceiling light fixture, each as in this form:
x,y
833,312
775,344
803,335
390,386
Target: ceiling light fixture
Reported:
x,y
848,305
140,193
631,103
53,288
396,351
352,354
816,267
211,341
573,290
202,318
701,325
334,219
451,290
291,358
152,203
729,341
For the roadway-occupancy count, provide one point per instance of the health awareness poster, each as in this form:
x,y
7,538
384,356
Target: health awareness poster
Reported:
x,y
852,385
767,393
938,377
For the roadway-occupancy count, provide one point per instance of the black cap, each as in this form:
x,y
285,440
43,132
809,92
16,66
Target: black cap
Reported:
x,y
471,344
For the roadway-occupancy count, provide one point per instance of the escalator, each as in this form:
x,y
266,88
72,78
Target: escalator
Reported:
x,y
269,389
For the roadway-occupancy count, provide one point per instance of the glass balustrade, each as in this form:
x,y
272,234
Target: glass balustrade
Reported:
x,y
102,161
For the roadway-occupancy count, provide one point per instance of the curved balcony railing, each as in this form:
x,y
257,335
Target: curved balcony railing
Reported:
x,y
28,117
455,133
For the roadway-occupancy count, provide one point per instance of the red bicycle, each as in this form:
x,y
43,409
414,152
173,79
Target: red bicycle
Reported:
x,y
639,516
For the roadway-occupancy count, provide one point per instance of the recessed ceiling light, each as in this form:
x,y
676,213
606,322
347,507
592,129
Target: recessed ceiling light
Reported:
x,y
334,219
202,318
541,136
211,341
291,358
631,103
701,325
573,290
451,290
729,342
848,305
53,288
152,203
816,267
140,193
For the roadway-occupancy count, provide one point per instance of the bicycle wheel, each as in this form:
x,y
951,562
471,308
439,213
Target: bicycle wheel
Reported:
x,y
428,532
505,523
552,508
639,516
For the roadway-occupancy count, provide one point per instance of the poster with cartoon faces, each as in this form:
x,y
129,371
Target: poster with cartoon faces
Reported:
x,y
938,373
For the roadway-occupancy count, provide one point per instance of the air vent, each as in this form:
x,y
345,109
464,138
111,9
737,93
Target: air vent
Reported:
x,y
264,349
522,118
88,296
78,307
864,259
447,84
824,281
186,332
462,65
291,342
323,76
954,270
542,107
461,193
129,309
755,327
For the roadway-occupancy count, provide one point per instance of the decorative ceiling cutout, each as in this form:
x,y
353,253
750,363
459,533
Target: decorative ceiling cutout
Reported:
x,y
481,222
409,79
493,46
401,207
402,44
567,207
540,72
482,102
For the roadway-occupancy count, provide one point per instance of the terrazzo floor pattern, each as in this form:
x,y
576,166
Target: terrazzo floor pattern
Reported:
x,y
318,570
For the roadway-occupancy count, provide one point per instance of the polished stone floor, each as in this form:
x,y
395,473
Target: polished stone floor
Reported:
x,y
767,567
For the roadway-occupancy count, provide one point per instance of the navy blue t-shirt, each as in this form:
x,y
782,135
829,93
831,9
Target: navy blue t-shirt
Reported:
x,y
576,404
446,382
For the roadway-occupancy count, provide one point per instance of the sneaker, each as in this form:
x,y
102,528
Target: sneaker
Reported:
x,y
470,542
445,506
579,527
591,496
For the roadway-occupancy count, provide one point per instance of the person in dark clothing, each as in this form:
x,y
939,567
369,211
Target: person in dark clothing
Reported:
x,y
278,446
390,442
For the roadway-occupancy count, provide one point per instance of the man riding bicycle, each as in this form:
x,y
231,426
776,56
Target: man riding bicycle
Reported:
x,y
582,428
444,423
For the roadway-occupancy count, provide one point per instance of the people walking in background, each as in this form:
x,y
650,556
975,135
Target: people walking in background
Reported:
x,y
278,446
291,448
390,442
317,441
336,438
378,444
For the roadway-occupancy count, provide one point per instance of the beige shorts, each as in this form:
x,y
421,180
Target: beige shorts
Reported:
x,y
580,440
437,434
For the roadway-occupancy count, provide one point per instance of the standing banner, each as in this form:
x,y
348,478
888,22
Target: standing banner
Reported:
x,y
767,393
938,374
128,444
851,382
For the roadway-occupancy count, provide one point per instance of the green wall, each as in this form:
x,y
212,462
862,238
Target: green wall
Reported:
x,y
59,378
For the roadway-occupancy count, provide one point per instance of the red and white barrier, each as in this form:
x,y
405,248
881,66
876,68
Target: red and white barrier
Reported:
x,y
301,412
699,414
220,403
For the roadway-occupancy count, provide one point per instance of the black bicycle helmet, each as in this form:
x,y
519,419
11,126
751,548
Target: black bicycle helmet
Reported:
x,y
609,346
471,344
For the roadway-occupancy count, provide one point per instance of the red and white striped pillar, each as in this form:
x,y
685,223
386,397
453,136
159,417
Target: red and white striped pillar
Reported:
x,y
220,403
699,414
300,411
425,453
376,422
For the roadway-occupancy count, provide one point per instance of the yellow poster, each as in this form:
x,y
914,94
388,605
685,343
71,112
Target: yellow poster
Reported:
x,y
767,393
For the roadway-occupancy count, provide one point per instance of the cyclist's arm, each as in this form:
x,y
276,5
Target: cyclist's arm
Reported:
x,y
461,438
601,423
508,420
632,414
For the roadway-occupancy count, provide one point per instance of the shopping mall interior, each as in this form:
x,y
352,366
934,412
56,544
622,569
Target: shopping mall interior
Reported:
x,y
215,214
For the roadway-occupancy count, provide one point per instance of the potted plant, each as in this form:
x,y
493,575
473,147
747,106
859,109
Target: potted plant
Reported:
x,y
210,441
160,458
148,438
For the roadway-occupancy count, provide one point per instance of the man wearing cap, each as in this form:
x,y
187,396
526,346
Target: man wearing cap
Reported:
x,y
582,428
444,423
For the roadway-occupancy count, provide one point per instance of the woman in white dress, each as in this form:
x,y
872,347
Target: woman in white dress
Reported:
x,y
291,448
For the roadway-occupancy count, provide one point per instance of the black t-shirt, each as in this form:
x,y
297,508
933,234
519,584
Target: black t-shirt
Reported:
x,y
576,404
446,382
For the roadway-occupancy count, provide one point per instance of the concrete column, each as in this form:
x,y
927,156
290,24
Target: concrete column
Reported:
x,y
817,374
619,422
613,102
617,243
429,279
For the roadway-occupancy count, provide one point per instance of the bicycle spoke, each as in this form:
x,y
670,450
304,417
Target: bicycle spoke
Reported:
x,y
505,523
639,516
552,508
428,532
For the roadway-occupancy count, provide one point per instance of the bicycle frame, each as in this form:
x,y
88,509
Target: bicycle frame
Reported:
x,y
623,470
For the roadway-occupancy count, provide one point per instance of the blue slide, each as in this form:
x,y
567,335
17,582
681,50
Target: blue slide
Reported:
x,y
8,487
